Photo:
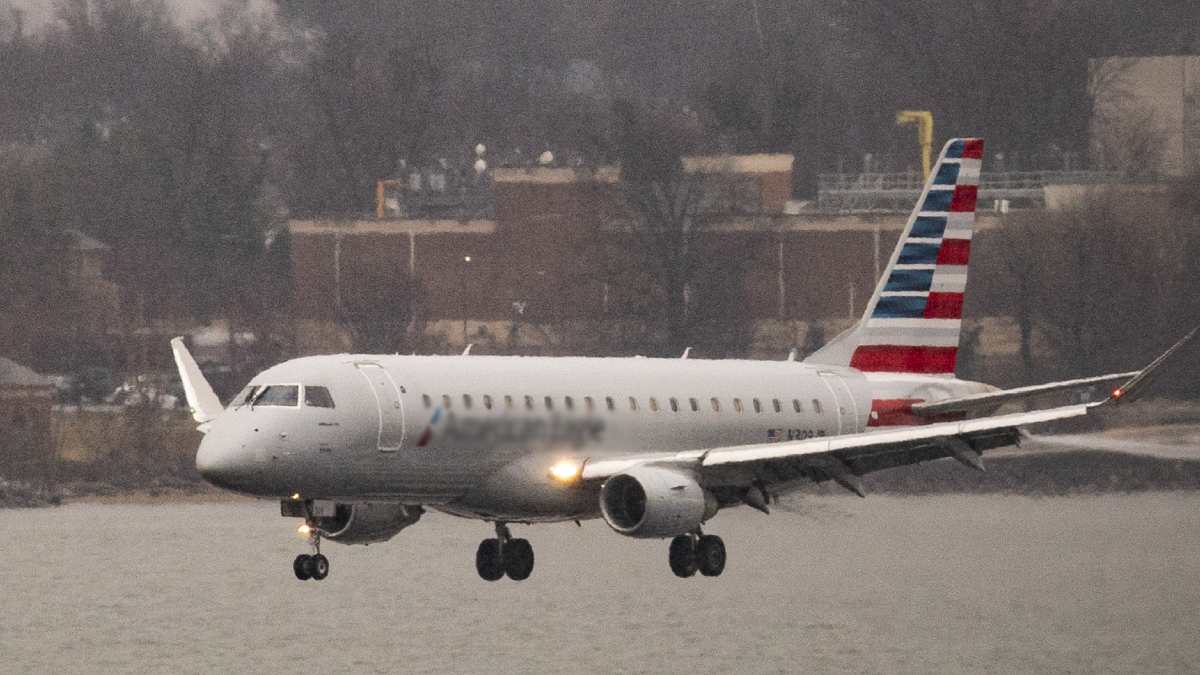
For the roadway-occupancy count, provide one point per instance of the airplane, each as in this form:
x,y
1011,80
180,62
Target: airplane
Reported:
x,y
358,446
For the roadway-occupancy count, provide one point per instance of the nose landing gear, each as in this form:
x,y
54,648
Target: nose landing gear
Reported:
x,y
316,566
504,555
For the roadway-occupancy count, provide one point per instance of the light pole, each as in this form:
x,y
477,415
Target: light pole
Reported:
x,y
463,286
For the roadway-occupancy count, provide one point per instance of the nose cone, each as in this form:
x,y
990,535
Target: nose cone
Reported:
x,y
222,461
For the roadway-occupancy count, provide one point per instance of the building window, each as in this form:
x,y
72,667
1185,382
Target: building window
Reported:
x,y
529,403
695,404
757,406
610,403
427,401
632,403
796,405
446,401
778,406
737,405
549,403
716,404
487,401
816,406
467,401
588,404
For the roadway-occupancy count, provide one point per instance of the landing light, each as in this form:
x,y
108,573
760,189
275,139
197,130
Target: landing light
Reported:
x,y
304,530
295,496
566,471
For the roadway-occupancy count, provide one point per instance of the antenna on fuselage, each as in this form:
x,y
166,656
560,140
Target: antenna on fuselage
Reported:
x,y
686,352
793,354
467,351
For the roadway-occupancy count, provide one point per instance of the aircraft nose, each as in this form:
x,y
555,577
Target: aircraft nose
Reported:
x,y
219,461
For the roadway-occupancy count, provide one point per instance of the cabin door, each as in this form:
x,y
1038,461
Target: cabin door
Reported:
x,y
388,403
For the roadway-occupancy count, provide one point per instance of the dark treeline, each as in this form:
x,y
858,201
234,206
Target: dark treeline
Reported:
x,y
186,147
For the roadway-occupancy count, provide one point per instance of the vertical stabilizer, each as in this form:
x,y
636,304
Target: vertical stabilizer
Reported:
x,y
913,320
200,397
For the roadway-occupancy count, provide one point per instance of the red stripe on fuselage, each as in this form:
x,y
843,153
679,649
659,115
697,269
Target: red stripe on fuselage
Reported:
x,y
973,149
954,252
894,412
904,359
964,198
944,306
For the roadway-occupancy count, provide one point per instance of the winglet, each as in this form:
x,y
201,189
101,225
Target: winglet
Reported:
x,y
1136,385
200,397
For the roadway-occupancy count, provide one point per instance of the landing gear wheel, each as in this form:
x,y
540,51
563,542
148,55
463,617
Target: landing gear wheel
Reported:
x,y
710,555
488,561
518,559
319,567
303,567
682,556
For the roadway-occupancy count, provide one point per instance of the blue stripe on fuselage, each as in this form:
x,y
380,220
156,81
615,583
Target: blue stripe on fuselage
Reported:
x,y
900,307
909,280
919,254
929,227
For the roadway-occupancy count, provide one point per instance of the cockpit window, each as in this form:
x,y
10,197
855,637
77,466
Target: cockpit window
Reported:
x,y
317,397
286,395
244,396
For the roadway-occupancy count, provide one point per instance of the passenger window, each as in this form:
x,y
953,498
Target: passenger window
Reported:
x,y
549,403
632,403
588,404
426,400
816,406
317,397
610,403
467,401
674,405
757,406
695,404
529,403
716,404
796,405
446,401
570,402
487,401
653,404
284,395
508,402
778,406
737,405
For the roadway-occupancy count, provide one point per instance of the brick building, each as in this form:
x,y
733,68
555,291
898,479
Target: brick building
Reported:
x,y
526,261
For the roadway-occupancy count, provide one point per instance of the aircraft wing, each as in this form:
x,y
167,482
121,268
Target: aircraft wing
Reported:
x,y
844,459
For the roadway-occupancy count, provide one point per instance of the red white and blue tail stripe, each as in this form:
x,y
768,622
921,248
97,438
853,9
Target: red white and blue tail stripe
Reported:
x,y
913,321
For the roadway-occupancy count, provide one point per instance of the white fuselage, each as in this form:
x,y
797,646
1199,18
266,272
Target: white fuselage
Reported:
x,y
477,435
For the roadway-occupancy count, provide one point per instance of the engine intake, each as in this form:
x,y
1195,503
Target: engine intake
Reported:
x,y
653,501
365,522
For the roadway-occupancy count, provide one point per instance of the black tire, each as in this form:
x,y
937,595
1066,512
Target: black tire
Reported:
x,y
302,566
518,559
488,562
710,555
682,556
320,567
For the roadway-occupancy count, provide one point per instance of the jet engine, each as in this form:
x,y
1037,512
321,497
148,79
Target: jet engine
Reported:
x,y
654,501
365,522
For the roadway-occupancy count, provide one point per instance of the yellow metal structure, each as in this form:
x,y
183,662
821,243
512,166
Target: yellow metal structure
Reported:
x,y
924,121
381,187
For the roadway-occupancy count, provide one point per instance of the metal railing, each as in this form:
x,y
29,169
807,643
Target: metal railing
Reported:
x,y
898,191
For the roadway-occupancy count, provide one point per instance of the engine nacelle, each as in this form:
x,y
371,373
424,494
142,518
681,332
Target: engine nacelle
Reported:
x,y
365,522
653,501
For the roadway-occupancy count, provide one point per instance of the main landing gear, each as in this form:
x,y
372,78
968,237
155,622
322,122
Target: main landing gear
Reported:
x,y
697,552
504,556
316,566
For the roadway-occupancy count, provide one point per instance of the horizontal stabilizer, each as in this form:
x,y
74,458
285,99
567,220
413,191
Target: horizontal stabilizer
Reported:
x,y
990,400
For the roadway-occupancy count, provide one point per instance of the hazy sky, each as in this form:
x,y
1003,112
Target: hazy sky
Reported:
x,y
38,12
